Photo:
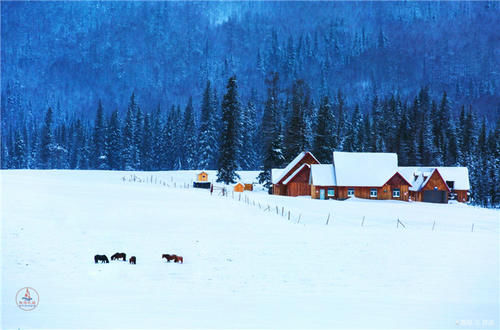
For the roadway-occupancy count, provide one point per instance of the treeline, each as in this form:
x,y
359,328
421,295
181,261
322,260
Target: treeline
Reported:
x,y
231,134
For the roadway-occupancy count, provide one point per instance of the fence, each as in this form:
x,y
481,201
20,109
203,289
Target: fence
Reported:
x,y
292,217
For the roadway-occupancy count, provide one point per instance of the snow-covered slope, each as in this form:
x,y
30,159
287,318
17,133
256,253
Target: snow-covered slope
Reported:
x,y
243,266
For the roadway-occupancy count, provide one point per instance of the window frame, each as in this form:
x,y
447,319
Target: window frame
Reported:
x,y
350,192
372,191
396,190
328,192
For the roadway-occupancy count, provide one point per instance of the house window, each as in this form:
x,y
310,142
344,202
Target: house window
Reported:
x,y
350,192
331,192
396,193
450,184
373,192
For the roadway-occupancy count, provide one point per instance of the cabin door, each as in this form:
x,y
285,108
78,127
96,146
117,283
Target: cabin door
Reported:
x,y
435,196
322,194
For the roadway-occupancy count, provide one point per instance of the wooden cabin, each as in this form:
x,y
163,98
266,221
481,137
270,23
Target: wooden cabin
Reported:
x,y
202,177
361,175
248,187
293,180
438,184
371,176
239,187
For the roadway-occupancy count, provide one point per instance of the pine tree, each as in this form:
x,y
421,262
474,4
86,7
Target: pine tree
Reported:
x,y
295,138
157,126
19,152
340,121
190,141
352,140
99,137
138,138
207,137
130,151
168,147
323,144
248,153
47,141
426,144
178,139
229,135
114,145
146,150
271,132
378,134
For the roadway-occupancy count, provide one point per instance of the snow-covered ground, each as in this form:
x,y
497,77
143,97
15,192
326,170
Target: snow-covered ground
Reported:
x,y
245,266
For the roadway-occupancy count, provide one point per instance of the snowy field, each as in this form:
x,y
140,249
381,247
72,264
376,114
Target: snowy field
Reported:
x,y
245,264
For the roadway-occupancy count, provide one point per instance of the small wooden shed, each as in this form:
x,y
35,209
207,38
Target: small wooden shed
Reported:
x,y
239,187
202,177
249,186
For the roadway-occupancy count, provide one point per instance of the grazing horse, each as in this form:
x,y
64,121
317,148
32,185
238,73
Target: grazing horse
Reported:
x,y
102,258
132,260
119,256
168,257
179,259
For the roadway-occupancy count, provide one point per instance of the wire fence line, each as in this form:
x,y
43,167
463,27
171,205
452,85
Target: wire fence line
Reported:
x,y
293,216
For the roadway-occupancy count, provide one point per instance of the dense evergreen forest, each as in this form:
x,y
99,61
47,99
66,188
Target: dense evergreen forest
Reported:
x,y
248,85
229,136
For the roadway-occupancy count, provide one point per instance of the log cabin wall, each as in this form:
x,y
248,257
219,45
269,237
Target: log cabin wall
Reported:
x,y
298,189
279,189
385,192
462,195
307,159
299,185
316,194
435,181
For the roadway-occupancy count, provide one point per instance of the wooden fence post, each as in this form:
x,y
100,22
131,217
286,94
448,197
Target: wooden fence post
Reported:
x,y
300,215
433,225
472,230
363,222
288,215
282,211
328,219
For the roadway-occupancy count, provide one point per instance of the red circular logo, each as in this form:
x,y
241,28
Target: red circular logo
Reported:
x,y
27,299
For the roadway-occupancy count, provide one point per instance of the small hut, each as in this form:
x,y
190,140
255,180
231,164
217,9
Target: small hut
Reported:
x,y
249,186
239,187
202,181
202,176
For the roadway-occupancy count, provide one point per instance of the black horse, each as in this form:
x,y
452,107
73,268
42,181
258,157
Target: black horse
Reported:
x,y
102,258
168,257
119,256
133,260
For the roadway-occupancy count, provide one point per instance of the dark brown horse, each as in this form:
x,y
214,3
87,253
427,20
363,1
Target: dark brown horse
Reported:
x,y
168,257
132,260
179,259
102,258
117,255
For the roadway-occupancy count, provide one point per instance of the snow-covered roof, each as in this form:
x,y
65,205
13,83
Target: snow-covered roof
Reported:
x,y
275,174
418,176
364,169
323,175
290,166
295,173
